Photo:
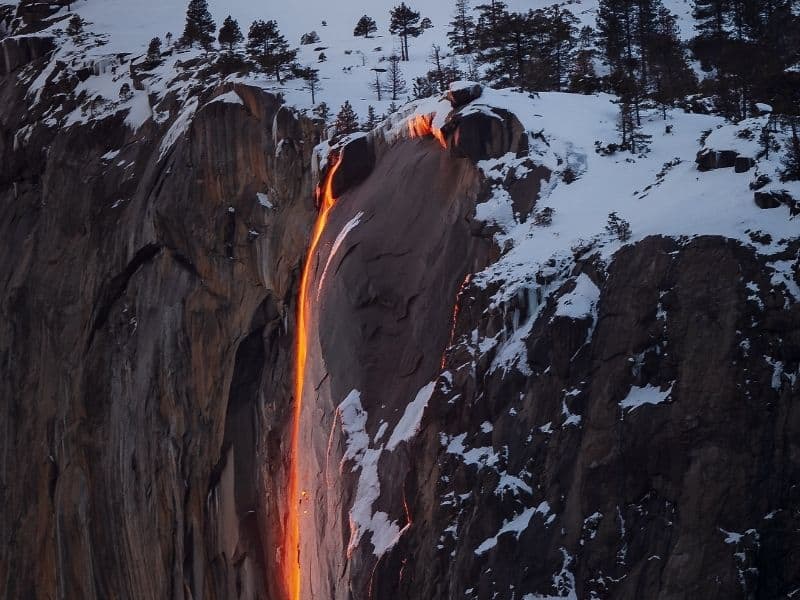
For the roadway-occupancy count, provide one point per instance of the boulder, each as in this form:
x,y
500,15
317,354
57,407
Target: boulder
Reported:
x,y
484,134
461,94
358,160
774,199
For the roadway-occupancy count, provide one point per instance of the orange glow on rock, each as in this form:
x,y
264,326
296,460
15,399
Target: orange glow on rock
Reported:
x,y
291,544
422,125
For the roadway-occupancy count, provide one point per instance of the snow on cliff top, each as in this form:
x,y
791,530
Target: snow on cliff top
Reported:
x,y
346,74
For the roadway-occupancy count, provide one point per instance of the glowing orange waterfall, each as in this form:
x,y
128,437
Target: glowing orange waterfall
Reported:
x,y
290,559
422,125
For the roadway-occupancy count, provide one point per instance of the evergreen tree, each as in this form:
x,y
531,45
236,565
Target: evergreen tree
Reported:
x,y
489,28
365,27
230,34
404,22
346,120
462,29
153,57
423,88
311,78
617,28
269,49
583,78
372,119
378,86
791,163
307,39
322,112
75,26
199,24
670,72
561,28
711,17
395,82
438,72
125,92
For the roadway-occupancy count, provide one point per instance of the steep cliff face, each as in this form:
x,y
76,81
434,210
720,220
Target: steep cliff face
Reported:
x,y
146,349
505,396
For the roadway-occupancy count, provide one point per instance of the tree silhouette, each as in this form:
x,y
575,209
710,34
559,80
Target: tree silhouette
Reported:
x,y
230,34
199,24
366,26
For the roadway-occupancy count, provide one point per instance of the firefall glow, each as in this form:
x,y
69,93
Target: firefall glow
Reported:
x,y
422,125
454,320
291,544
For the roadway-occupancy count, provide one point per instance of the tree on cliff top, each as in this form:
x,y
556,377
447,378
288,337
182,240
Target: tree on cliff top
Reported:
x,y
269,49
405,23
199,24
230,34
346,120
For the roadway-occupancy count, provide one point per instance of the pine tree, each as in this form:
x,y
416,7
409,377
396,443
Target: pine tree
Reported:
x,y
199,24
404,22
366,26
153,57
230,34
423,88
438,72
372,119
561,26
311,78
75,26
269,49
462,29
711,17
583,78
307,39
491,17
378,86
125,92
791,162
322,112
395,82
346,120
672,77
616,26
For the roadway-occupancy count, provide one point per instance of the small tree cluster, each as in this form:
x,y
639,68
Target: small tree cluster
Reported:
x,y
346,120
153,58
312,37
269,50
618,227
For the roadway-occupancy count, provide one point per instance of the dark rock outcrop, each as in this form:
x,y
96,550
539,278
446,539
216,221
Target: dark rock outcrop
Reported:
x,y
18,51
708,159
774,199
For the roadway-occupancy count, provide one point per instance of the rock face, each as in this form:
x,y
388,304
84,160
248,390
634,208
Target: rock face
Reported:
x,y
145,353
692,496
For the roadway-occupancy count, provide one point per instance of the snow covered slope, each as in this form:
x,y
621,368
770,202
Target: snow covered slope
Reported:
x,y
346,75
